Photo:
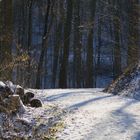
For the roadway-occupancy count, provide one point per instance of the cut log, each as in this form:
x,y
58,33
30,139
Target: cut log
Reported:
x,y
27,97
12,104
5,91
20,91
36,103
13,98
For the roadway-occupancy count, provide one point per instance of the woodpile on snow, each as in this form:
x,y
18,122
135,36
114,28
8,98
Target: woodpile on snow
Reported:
x,y
17,110
13,98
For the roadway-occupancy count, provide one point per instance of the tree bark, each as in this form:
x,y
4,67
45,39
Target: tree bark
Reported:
x,y
6,39
67,32
90,80
43,49
77,46
133,30
117,29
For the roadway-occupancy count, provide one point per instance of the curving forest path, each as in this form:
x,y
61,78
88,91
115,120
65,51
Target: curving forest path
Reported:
x,y
94,115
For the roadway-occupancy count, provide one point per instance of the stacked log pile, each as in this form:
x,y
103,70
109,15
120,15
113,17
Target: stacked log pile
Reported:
x,y
13,98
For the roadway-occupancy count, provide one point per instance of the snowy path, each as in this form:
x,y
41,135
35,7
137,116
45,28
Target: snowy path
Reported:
x,y
94,115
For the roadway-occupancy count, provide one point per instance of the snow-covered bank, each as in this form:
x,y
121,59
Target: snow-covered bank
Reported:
x,y
128,84
94,115
33,124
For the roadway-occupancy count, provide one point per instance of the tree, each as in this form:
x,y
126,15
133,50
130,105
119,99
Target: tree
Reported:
x,y
6,23
43,49
57,47
29,41
133,31
117,29
90,62
67,32
77,45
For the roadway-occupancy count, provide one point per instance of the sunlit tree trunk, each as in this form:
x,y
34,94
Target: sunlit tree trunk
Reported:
x,y
6,23
133,30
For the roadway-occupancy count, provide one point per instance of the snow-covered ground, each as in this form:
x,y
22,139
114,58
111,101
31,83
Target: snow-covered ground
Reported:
x,y
94,115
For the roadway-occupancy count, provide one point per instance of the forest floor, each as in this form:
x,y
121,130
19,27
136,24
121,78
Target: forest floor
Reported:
x,y
94,115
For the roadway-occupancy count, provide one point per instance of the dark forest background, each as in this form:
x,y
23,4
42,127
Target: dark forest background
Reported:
x,y
67,43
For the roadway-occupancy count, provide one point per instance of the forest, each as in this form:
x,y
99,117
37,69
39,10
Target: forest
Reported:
x,y
67,43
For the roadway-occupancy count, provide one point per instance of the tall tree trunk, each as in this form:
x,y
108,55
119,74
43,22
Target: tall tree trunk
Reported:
x,y
99,36
43,49
67,31
58,42
117,29
133,38
77,45
29,41
6,39
90,62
